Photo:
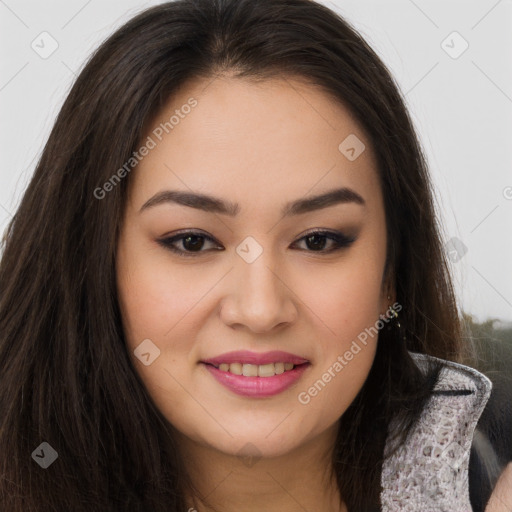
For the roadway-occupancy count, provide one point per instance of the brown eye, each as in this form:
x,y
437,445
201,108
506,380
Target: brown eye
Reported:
x,y
190,242
316,241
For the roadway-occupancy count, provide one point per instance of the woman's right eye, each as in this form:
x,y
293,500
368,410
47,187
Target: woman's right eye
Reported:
x,y
191,241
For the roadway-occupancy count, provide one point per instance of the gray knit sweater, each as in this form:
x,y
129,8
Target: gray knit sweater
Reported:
x,y
430,472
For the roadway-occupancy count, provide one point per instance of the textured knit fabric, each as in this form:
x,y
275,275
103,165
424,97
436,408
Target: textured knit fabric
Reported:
x,y
429,473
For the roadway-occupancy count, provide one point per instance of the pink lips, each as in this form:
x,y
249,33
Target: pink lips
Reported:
x,y
257,387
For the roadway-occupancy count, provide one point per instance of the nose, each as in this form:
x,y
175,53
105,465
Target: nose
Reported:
x,y
258,296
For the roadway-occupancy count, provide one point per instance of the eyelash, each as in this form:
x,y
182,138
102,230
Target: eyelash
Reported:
x,y
341,242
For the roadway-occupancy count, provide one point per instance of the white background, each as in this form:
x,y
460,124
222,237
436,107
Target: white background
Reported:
x,y
462,108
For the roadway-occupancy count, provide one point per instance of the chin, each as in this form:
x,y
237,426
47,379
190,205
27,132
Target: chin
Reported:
x,y
251,448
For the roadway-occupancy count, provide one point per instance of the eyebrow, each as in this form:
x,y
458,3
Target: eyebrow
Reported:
x,y
212,204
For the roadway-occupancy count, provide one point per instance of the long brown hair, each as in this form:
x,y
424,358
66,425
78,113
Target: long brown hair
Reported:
x,y
65,375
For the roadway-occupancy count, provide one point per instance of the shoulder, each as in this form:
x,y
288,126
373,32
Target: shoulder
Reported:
x,y
501,498
491,452
430,470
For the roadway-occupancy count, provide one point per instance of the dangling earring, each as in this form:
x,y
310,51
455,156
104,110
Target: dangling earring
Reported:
x,y
389,316
399,327
395,315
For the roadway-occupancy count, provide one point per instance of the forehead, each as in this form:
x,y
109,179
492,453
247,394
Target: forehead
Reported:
x,y
265,142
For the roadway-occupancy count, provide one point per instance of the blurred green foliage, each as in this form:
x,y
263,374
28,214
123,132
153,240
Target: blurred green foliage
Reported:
x,y
491,345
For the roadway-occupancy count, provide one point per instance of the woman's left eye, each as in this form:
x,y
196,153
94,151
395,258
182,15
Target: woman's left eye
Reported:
x,y
193,242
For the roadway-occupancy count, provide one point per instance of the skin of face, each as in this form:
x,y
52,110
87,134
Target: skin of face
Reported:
x,y
260,145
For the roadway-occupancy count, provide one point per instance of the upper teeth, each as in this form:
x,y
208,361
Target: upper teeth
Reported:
x,y
255,370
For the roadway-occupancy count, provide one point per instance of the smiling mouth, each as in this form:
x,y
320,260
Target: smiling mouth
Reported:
x,y
256,370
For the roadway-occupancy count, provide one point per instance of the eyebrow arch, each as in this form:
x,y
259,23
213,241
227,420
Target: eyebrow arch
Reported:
x,y
215,205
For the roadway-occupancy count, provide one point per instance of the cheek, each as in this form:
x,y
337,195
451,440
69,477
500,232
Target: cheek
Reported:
x,y
161,303
345,354
156,305
346,299
349,305
155,298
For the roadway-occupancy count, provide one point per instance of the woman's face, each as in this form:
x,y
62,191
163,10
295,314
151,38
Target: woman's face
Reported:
x,y
250,277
